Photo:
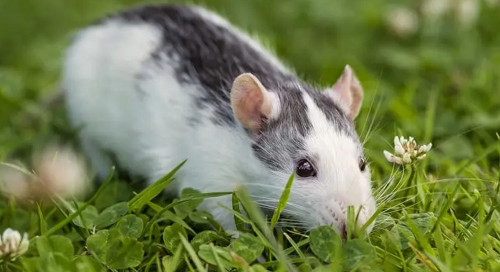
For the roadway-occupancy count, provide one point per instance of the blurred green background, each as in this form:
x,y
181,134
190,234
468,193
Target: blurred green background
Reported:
x,y
433,77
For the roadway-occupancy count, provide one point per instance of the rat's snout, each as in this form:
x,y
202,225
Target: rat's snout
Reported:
x,y
335,212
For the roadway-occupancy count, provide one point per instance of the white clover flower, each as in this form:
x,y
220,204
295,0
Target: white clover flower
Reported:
x,y
492,3
402,21
57,171
407,151
12,245
14,180
467,12
61,170
434,9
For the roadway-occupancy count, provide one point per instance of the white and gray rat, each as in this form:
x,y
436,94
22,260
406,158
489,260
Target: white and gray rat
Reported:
x,y
157,84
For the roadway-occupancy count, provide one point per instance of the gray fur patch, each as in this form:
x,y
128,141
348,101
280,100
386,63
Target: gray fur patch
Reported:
x,y
333,112
208,55
284,135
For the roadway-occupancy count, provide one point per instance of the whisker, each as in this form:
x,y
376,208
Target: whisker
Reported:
x,y
278,188
269,202
371,104
442,181
384,195
368,137
370,132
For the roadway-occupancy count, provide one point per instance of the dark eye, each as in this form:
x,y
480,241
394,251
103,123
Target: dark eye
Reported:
x,y
362,164
305,169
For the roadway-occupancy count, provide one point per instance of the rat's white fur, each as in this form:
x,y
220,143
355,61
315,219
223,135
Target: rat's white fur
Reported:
x,y
341,183
149,132
140,129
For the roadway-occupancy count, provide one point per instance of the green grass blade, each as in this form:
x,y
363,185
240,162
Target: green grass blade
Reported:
x,y
302,242
283,201
173,264
294,245
171,205
72,216
42,223
438,238
257,217
220,267
236,207
441,266
193,254
145,196
419,236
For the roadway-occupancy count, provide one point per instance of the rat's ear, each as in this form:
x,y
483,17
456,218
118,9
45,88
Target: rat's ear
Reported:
x,y
251,102
348,91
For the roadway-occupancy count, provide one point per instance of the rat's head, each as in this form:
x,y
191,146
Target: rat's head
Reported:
x,y
296,129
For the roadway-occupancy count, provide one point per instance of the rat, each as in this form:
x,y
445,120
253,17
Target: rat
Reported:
x,y
154,85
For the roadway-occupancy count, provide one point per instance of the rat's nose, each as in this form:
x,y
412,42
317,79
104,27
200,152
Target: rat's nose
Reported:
x,y
343,230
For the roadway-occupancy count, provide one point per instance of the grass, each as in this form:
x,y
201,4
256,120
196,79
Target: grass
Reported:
x,y
440,85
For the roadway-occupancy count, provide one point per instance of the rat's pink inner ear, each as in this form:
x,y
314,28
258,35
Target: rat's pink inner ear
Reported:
x,y
349,91
250,101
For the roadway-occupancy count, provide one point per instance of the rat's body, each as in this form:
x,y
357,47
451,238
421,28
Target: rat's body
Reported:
x,y
156,85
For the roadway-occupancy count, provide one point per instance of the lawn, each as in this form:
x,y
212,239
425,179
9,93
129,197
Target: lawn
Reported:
x,y
428,74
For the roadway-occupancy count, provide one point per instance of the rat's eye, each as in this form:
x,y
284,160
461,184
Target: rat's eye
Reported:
x,y
362,164
305,169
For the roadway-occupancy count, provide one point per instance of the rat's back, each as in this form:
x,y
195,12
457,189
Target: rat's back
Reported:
x,y
148,84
